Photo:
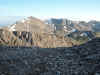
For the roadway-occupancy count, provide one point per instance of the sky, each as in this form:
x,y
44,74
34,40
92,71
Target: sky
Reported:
x,y
44,9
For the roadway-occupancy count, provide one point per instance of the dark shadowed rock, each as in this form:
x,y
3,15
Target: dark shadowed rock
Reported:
x,y
77,60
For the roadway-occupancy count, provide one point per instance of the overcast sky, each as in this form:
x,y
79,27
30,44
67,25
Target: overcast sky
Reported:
x,y
43,9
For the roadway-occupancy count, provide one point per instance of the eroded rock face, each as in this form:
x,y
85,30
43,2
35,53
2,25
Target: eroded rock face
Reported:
x,y
43,40
77,60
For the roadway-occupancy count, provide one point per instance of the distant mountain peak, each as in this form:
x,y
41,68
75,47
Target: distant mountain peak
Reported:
x,y
29,24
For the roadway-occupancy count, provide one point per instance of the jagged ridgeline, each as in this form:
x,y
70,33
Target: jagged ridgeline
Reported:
x,y
32,32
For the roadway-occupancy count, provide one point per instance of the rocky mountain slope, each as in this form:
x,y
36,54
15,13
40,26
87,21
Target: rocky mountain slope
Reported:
x,y
76,25
77,60
33,32
30,24
57,33
43,40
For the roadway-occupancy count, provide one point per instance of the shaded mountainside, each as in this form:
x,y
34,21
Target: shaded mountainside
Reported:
x,y
77,60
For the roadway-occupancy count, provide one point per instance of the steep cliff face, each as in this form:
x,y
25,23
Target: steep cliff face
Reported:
x,y
77,60
7,38
44,40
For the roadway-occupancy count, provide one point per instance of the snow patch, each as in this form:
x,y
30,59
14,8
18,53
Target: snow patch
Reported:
x,y
83,34
73,30
23,20
12,28
94,25
27,18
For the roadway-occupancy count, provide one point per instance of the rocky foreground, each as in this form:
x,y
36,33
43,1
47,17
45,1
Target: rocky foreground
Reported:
x,y
77,60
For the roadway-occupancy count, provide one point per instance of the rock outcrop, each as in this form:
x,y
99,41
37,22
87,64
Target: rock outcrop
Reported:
x,y
43,40
77,60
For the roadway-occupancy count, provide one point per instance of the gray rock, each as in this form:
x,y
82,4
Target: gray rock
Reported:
x,y
80,60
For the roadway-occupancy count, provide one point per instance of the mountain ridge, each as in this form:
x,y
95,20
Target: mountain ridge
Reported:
x,y
34,32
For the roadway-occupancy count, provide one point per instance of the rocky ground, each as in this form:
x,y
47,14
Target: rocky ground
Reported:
x,y
77,60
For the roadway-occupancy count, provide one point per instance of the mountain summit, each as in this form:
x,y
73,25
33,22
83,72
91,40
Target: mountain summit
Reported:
x,y
30,24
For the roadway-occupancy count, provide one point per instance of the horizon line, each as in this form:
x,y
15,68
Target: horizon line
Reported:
x,y
86,19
